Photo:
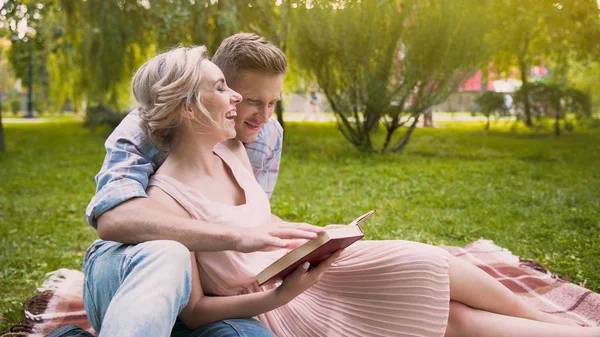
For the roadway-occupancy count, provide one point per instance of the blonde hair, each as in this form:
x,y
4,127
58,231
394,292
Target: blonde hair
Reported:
x,y
166,86
244,51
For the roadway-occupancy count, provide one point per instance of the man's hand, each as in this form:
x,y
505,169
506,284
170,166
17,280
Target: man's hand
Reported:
x,y
274,236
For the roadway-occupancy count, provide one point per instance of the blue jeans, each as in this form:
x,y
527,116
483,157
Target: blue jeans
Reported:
x,y
138,290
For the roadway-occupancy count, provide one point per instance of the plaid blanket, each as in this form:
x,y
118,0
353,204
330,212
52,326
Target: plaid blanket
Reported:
x,y
60,300
533,283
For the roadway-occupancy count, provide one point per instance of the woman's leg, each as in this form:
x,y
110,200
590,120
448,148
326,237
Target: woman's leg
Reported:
x,y
475,288
465,321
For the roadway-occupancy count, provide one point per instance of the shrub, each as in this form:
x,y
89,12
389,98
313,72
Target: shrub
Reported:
x,y
101,115
15,106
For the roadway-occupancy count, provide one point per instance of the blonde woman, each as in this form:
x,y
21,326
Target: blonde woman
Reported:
x,y
373,288
137,277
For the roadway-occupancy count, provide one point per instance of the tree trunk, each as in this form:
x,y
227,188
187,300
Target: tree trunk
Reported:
x,y
557,123
406,139
484,78
279,113
389,132
525,90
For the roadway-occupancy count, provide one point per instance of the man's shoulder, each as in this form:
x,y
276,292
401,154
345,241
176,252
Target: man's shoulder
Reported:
x,y
275,126
271,133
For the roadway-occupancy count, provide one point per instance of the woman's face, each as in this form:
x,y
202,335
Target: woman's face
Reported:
x,y
219,99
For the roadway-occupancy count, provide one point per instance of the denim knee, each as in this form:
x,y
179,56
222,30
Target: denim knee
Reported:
x,y
121,275
167,261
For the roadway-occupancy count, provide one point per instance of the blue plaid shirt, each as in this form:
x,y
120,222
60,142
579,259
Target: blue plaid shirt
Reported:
x,y
131,159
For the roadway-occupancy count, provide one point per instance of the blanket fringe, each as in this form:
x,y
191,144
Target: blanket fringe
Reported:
x,y
34,306
18,330
38,304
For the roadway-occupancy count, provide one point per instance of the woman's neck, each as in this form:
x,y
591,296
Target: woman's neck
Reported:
x,y
191,155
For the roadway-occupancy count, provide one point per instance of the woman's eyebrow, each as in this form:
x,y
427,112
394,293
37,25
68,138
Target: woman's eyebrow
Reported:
x,y
222,80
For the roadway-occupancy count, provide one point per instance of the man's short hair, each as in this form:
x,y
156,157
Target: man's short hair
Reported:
x,y
245,51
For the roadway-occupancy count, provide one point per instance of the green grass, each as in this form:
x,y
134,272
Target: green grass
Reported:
x,y
534,194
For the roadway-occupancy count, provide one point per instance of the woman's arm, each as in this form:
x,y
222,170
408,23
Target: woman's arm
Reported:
x,y
202,310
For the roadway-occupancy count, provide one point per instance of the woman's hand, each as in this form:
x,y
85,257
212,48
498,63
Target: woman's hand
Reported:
x,y
303,278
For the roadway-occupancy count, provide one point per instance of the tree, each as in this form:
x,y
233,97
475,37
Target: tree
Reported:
x,y
108,40
490,103
387,61
4,85
554,100
585,77
530,32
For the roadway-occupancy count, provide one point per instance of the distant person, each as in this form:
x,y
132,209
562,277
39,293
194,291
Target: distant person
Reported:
x,y
508,104
428,117
314,110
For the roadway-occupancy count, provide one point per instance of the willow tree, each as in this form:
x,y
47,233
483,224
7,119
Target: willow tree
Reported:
x,y
387,61
98,44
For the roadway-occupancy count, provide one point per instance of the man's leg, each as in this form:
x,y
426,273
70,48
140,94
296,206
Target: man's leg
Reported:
x,y
245,327
136,290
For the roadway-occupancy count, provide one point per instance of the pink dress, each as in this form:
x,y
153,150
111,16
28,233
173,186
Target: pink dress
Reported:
x,y
375,288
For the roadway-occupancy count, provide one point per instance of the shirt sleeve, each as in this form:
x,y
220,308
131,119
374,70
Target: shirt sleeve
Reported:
x,y
265,155
130,160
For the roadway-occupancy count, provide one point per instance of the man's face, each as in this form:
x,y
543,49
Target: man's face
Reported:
x,y
260,92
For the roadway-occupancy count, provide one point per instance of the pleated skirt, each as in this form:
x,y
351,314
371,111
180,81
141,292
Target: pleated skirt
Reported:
x,y
375,288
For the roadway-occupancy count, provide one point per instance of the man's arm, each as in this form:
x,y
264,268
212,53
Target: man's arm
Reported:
x,y
121,210
144,219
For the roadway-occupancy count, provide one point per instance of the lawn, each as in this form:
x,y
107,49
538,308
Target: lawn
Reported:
x,y
533,193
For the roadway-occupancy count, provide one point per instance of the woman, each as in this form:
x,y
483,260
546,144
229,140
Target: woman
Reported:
x,y
372,288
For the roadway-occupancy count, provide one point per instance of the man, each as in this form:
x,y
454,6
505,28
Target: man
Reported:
x,y
138,276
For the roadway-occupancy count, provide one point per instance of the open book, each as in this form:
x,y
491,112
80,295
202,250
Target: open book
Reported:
x,y
314,251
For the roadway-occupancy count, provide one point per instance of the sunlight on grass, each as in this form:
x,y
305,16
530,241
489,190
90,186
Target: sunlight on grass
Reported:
x,y
532,193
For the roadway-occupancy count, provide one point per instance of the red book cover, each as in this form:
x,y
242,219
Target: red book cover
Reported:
x,y
313,251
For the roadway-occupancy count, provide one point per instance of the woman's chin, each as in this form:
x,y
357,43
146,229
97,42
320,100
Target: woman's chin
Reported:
x,y
229,133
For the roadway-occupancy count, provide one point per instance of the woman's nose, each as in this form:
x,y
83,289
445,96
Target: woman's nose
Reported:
x,y
236,97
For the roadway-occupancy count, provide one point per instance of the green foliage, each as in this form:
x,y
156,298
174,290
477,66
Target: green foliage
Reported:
x,y
84,52
7,78
101,115
533,194
585,76
40,105
546,32
490,103
555,101
15,105
403,58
